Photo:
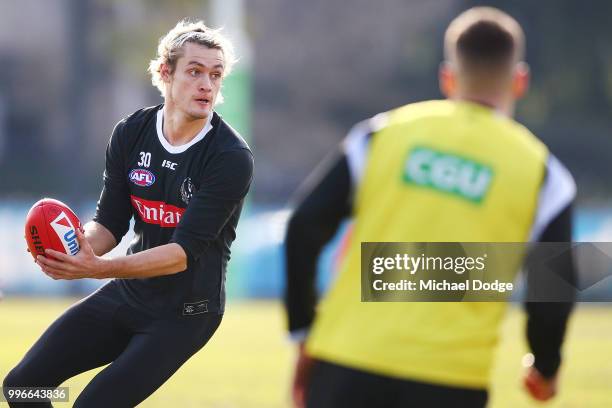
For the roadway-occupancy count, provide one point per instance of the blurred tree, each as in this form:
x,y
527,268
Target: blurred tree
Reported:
x,y
320,67
569,105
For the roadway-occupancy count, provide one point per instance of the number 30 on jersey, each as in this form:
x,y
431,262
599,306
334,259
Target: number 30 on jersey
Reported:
x,y
145,159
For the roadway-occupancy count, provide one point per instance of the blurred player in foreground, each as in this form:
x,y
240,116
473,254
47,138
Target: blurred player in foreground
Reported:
x,y
182,173
429,354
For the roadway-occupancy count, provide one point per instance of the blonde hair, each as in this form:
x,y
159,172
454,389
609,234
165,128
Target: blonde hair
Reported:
x,y
170,49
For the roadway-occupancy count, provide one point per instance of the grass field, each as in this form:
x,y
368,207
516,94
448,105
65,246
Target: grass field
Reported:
x,y
248,362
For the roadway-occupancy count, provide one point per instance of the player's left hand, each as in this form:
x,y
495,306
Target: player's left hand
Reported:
x,y
301,376
85,264
540,388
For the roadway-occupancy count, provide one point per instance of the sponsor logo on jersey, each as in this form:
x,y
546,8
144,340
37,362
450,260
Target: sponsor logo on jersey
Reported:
x,y
157,212
187,190
169,165
142,177
448,173
195,308
66,233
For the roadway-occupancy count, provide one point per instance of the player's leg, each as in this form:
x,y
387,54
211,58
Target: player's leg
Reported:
x,y
412,393
333,386
152,357
82,338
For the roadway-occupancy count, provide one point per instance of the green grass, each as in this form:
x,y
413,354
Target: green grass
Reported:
x,y
248,362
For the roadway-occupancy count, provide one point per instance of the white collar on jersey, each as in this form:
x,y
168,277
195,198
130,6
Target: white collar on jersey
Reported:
x,y
181,148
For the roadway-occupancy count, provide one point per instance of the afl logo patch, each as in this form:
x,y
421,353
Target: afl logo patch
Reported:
x,y
187,190
142,177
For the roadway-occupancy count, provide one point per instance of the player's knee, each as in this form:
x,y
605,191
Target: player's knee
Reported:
x,y
12,379
6,382
18,378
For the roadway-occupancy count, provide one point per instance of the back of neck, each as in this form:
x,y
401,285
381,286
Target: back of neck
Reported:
x,y
499,102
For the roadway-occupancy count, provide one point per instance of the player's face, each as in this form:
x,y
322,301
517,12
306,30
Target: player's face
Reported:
x,y
195,84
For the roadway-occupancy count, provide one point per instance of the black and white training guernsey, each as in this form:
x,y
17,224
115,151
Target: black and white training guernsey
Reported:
x,y
190,194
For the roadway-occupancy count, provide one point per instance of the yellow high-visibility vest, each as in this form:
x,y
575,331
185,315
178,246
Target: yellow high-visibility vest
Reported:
x,y
436,171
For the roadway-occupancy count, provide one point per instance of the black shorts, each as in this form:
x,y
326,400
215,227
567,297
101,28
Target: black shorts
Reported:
x,y
335,386
143,350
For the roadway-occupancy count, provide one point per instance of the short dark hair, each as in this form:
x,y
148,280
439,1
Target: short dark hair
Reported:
x,y
484,38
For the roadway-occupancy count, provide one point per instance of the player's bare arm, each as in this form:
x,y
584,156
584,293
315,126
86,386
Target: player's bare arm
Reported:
x,y
99,237
162,260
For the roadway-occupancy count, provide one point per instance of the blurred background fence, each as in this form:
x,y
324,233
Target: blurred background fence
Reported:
x,y
308,71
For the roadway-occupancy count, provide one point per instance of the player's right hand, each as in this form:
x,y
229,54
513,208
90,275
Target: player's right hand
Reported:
x,y
540,388
301,377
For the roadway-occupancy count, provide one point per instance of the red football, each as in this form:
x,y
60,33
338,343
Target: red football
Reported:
x,y
51,224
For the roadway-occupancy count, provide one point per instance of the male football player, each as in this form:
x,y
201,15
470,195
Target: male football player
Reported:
x,y
182,172
421,354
